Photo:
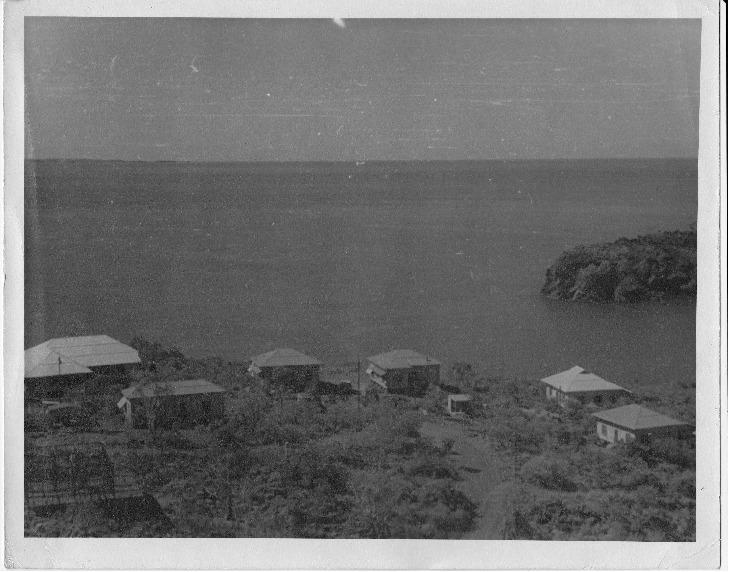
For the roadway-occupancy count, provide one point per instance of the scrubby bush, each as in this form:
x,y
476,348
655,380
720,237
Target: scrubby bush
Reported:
x,y
155,355
463,377
549,473
388,505
679,451
432,468
684,485
608,494
446,445
512,430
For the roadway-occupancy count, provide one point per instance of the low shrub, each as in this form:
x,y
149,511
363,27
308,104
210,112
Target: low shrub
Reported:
x,y
549,473
674,450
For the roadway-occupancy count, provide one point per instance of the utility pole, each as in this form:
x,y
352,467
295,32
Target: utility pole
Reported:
x,y
502,363
230,488
359,393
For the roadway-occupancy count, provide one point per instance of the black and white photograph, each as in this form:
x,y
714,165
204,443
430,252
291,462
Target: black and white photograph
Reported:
x,y
361,278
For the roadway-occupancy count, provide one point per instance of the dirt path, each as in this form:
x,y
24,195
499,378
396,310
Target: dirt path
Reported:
x,y
482,481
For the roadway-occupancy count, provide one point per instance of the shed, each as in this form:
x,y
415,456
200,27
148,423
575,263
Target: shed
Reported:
x,y
459,404
188,402
579,385
296,370
631,422
404,371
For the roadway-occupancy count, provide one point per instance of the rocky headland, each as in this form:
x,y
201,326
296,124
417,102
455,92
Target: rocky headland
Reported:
x,y
651,267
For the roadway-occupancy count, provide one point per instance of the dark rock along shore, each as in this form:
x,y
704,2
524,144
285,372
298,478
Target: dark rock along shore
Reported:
x,y
651,267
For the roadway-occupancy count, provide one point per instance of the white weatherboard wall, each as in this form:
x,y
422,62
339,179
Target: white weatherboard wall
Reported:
x,y
612,434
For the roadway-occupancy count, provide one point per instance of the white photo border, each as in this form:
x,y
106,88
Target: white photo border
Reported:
x,y
209,554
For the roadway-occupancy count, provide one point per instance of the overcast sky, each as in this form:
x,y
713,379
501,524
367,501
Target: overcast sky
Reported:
x,y
228,90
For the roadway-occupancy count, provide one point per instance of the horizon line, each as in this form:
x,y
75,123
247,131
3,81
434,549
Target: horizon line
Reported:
x,y
364,161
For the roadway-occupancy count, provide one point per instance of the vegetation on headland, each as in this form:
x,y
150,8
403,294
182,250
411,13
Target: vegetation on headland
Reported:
x,y
655,266
360,468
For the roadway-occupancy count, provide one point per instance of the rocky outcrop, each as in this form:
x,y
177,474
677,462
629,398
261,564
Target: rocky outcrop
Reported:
x,y
655,266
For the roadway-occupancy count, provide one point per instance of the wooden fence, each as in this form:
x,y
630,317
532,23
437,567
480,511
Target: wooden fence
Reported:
x,y
61,475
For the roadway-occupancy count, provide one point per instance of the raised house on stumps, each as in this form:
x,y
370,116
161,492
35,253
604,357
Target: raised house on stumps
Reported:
x,y
290,368
404,371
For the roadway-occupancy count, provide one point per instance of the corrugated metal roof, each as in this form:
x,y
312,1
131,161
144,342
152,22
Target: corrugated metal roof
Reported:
x,y
283,357
69,356
636,417
576,380
402,359
94,350
172,388
41,361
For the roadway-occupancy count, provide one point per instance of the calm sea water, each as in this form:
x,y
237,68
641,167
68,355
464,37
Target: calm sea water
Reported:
x,y
341,260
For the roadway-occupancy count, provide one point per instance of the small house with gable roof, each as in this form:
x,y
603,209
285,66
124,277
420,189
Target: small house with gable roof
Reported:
x,y
635,422
579,385
187,403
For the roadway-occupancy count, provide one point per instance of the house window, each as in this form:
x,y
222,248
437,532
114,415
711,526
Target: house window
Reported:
x,y
603,429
